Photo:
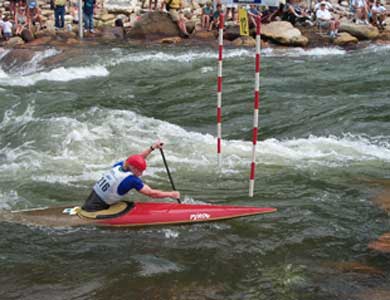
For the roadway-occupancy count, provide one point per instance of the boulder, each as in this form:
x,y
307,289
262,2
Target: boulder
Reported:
x,y
13,41
362,32
105,17
190,26
204,35
154,25
284,33
113,33
246,41
384,35
345,38
27,35
16,58
170,40
232,33
45,33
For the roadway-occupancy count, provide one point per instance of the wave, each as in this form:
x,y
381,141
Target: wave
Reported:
x,y
84,145
60,74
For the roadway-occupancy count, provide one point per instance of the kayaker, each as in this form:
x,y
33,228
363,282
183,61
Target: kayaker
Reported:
x,y
120,179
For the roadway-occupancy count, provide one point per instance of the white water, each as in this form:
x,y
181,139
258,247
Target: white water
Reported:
x,y
82,146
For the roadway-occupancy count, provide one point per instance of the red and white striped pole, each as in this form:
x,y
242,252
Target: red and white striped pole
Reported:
x,y
219,89
256,107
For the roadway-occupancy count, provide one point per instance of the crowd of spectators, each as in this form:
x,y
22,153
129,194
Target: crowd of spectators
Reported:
x,y
26,15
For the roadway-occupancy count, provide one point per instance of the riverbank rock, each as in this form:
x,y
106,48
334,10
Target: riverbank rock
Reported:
x,y
284,33
244,41
12,42
382,244
344,39
362,32
154,25
204,35
15,58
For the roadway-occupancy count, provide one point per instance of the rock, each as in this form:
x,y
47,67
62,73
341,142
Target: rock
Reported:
x,y
204,35
16,58
27,35
345,38
246,41
45,33
44,40
284,33
382,244
154,25
362,32
384,35
232,33
14,41
170,40
113,33
105,17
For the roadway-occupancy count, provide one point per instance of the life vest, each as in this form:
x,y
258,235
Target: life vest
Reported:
x,y
107,186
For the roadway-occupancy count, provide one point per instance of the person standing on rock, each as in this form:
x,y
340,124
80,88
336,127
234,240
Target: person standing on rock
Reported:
x,y
6,28
174,8
59,13
88,8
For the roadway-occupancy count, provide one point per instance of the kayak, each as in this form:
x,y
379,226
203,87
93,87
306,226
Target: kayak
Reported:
x,y
144,214
137,214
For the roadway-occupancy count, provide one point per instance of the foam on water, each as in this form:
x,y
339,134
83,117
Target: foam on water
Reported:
x,y
60,74
83,146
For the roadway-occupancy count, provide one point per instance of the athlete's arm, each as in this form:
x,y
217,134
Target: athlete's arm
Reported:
x,y
156,145
148,191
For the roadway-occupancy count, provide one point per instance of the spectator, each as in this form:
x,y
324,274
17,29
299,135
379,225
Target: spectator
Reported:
x,y
20,20
59,13
207,13
294,13
253,13
378,14
174,8
6,28
34,14
230,10
150,4
326,20
88,8
216,17
360,9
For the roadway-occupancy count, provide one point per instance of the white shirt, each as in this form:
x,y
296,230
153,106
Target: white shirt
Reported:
x,y
323,15
6,26
378,9
318,5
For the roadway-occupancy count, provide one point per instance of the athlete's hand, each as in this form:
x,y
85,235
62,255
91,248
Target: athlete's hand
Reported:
x,y
175,195
158,145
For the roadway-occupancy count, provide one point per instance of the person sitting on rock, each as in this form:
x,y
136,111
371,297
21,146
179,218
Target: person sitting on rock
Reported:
x,y
216,17
20,20
6,28
295,14
34,14
360,9
253,13
174,8
207,13
378,14
150,4
326,20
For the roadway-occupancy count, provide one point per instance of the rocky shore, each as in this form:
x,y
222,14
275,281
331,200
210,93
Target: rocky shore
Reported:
x,y
142,26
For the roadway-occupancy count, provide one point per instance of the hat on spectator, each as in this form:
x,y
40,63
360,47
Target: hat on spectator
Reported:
x,y
323,3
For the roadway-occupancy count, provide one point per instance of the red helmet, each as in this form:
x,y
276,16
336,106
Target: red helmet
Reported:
x,y
136,161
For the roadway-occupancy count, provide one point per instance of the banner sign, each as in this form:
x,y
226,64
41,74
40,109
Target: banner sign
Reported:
x,y
244,25
258,2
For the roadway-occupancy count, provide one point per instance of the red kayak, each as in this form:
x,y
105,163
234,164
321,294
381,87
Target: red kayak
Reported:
x,y
144,214
131,214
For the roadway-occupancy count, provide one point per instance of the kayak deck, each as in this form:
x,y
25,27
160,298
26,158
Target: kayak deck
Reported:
x,y
141,214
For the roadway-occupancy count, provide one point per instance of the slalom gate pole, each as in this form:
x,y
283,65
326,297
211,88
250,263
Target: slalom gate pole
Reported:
x,y
256,106
219,89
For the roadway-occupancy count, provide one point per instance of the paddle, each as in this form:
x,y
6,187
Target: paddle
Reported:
x,y
168,172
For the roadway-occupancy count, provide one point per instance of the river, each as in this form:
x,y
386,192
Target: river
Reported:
x,y
324,140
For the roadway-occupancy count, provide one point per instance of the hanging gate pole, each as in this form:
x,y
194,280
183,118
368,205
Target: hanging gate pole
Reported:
x,y
219,89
